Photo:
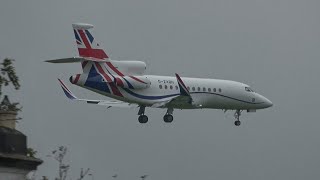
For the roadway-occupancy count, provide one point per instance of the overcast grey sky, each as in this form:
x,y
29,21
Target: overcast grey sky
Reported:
x,y
272,45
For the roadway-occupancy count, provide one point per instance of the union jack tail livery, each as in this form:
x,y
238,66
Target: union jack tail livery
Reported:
x,y
87,46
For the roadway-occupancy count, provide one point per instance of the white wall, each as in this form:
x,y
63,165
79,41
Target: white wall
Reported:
x,y
12,174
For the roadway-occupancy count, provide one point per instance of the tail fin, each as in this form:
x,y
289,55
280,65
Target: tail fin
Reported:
x,y
87,46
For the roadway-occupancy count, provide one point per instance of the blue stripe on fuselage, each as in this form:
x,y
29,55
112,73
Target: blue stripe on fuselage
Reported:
x,y
149,97
129,84
171,95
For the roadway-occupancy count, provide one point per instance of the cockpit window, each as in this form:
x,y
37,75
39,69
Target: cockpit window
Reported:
x,y
248,89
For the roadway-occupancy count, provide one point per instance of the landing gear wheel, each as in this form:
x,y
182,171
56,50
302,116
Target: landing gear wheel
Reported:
x,y
143,119
168,118
237,115
237,123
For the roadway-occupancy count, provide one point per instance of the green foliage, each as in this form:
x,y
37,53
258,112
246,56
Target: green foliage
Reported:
x,y
31,152
8,76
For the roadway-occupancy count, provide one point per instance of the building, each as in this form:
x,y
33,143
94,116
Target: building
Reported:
x,y
15,161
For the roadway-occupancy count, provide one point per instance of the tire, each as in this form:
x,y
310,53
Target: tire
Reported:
x,y
143,119
168,118
237,123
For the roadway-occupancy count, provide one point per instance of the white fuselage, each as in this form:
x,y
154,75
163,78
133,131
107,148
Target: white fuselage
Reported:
x,y
205,93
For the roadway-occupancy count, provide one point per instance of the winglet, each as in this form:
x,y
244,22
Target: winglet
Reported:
x,y
183,89
65,89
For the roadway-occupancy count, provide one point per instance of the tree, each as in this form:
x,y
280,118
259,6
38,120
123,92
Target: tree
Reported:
x,y
8,76
59,155
63,168
31,152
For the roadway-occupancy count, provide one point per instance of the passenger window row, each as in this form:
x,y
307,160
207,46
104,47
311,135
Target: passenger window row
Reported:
x,y
193,88
204,89
167,87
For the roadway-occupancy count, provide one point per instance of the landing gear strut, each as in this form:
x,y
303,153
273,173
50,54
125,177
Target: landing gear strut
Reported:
x,y
237,115
168,118
142,117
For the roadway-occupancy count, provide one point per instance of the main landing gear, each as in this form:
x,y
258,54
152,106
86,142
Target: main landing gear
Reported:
x,y
142,117
168,118
237,115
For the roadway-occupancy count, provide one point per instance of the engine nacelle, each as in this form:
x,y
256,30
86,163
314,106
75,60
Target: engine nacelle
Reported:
x,y
130,67
132,82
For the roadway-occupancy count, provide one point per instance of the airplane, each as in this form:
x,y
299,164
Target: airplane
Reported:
x,y
128,85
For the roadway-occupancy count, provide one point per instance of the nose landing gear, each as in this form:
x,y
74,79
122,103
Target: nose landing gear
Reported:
x,y
237,115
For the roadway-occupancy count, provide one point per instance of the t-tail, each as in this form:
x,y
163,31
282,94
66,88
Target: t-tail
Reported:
x,y
94,59
87,46
90,52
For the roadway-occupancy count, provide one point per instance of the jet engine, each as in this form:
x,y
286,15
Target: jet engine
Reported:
x,y
132,82
130,67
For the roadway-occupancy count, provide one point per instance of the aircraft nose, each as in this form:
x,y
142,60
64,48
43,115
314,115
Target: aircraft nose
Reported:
x,y
267,102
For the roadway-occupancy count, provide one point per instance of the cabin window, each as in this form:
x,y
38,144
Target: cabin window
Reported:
x,y
209,89
188,88
198,88
193,88
248,89
176,87
165,86
214,90
204,89
219,89
171,87
160,86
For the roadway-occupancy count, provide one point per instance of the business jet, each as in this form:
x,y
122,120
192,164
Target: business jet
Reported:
x,y
128,85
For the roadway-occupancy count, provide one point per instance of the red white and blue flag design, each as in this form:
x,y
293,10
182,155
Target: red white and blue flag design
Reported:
x,y
65,89
111,76
87,46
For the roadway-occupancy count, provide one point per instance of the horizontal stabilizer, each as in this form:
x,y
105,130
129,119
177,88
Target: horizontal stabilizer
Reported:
x,y
74,60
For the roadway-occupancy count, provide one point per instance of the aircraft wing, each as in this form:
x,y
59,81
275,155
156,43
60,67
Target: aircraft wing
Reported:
x,y
176,101
108,104
182,100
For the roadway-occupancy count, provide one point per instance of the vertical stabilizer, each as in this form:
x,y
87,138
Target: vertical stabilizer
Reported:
x,y
87,46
